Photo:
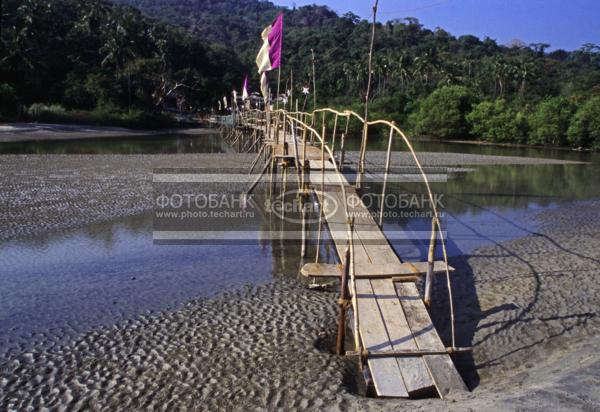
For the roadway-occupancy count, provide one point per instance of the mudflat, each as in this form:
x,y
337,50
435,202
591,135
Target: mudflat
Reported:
x,y
528,306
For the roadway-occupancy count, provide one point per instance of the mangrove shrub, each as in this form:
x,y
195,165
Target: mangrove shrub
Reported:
x,y
497,121
442,113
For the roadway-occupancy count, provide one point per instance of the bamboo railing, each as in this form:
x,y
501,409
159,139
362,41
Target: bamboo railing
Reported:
x,y
303,126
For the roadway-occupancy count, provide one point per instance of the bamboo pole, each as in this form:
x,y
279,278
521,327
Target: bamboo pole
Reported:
x,y
266,166
284,167
335,123
367,96
343,304
356,326
430,263
314,78
278,86
303,211
385,177
343,143
291,96
322,190
304,131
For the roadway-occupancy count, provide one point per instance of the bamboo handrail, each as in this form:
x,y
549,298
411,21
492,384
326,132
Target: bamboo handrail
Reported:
x,y
301,118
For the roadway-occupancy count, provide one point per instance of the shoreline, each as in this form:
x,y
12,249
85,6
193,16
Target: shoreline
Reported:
x,y
36,132
500,144
98,188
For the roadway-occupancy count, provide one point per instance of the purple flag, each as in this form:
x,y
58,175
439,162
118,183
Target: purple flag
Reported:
x,y
276,41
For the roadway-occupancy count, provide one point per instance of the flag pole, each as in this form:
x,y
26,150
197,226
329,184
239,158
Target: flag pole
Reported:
x,y
278,86
291,89
314,81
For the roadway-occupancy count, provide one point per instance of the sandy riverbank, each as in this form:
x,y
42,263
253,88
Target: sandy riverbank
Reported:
x,y
26,132
528,306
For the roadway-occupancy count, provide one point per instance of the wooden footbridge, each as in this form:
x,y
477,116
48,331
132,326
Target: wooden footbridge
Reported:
x,y
392,330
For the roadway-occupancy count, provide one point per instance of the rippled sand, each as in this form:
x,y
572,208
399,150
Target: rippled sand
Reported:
x,y
529,307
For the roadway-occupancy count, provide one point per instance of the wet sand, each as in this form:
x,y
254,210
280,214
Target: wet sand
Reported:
x,y
529,307
27,132
39,193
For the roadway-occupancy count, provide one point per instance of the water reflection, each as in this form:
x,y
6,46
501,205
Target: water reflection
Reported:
x,y
496,203
158,144
69,281
97,274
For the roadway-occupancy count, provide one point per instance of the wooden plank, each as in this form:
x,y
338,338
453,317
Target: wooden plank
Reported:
x,y
335,211
317,165
322,270
385,372
339,234
376,245
329,178
373,270
442,370
414,372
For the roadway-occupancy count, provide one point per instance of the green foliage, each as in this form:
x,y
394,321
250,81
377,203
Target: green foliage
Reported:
x,y
106,115
8,100
85,53
442,113
408,58
497,121
585,127
550,121
45,113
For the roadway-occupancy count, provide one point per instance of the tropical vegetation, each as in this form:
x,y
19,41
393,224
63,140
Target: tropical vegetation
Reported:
x,y
188,54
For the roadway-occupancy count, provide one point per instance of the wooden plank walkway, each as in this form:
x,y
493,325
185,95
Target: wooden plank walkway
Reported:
x,y
392,316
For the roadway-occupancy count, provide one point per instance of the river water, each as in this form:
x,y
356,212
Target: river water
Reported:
x,y
60,284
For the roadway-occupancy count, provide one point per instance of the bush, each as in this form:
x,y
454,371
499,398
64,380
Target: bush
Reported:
x,y
40,112
133,118
106,115
550,122
496,121
584,131
442,113
8,100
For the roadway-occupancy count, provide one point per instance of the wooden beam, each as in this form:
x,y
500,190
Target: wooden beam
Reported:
x,y
372,270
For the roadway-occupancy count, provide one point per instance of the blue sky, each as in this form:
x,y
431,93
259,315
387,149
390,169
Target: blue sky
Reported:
x,y
564,24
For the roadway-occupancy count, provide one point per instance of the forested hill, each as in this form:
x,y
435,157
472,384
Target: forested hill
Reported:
x,y
94,55
429,80
408,57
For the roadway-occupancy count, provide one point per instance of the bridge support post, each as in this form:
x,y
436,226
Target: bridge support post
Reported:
x,y
430,263
343,303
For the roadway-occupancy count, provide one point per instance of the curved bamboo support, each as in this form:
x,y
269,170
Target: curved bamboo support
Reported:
x,y
301,120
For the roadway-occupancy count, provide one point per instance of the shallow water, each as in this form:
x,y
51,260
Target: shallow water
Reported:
x,y
65,282
157,144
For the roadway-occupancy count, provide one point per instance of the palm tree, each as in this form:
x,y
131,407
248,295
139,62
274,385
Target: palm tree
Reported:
x,y
525,71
